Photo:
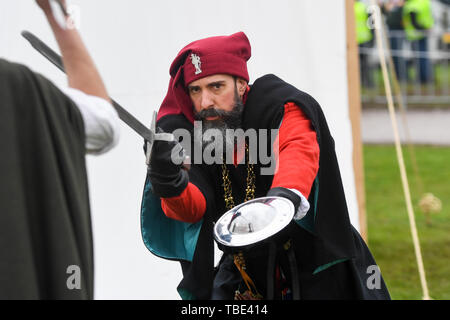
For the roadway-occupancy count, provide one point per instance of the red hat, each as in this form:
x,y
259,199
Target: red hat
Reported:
x,y
202,58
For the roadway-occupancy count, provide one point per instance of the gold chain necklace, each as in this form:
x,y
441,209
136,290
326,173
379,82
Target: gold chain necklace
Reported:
x,y
227,188
239,260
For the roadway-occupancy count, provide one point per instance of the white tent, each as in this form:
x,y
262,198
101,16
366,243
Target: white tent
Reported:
x,y
133,43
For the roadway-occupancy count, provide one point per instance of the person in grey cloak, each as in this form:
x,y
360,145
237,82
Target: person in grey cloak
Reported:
x,y
46,249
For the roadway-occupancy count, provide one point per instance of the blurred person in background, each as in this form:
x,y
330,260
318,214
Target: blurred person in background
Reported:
x,y
393,10
417,22
364,37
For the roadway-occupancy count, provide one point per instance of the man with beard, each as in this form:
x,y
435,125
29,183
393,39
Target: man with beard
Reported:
x,y
209,82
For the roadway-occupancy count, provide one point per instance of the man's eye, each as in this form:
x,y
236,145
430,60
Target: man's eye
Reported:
x,y
194,90
217,86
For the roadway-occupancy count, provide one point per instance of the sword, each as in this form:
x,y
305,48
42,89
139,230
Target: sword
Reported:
x,y
149,135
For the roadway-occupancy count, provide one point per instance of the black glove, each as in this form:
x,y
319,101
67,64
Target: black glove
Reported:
x,y
167,178
286,193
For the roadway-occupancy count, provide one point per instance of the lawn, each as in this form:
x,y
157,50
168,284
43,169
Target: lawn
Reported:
x,y
389,236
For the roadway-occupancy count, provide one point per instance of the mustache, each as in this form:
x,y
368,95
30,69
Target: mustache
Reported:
x,y
211,112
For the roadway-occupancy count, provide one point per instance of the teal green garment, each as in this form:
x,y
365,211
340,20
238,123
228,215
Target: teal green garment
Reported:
x,y
328,265
165,237
307,223
422,8
186,295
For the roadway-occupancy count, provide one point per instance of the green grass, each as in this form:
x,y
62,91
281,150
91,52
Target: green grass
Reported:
x,y
389,235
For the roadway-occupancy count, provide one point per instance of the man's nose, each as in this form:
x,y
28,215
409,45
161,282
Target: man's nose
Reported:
x,y
207,100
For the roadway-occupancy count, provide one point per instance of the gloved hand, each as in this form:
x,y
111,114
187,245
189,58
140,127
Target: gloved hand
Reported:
x,y
301,207
164,170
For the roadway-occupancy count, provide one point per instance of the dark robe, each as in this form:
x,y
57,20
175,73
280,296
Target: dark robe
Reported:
x,y
332,257
45,227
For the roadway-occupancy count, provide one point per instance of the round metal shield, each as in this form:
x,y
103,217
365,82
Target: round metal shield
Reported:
x,y
253,221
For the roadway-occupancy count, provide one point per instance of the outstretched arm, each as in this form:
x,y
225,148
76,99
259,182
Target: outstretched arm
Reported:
x,y
298,158
80,68
87,90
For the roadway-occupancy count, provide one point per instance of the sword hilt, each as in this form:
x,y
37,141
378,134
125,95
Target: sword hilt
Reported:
x,y
163,136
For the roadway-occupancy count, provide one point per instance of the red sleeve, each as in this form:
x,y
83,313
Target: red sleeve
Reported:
x,y
189,206
298,159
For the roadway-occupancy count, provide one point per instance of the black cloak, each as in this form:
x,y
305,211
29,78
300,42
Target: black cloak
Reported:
x,y
46,249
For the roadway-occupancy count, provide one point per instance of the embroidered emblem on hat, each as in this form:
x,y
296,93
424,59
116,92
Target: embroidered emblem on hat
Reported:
x,y
196,62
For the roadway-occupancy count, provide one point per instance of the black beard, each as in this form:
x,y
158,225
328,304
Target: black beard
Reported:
x,y
226,120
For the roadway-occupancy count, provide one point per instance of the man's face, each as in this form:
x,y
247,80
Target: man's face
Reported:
x,y
215,92
218,104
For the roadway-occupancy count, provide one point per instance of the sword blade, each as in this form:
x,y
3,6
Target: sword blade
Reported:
x,y
56,59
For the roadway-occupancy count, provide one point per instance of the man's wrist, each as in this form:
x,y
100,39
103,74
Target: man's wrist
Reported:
x,y
301,204
165,186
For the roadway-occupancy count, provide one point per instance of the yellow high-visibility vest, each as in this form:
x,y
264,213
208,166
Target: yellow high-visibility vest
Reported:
x,y
363,33
422,8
